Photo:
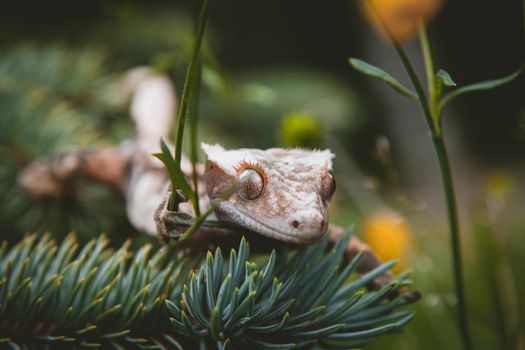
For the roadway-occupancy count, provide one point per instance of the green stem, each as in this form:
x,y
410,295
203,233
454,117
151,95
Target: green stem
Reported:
x,y
190,78
220,224
448,186
196,225
201,219
431,122
433,89
188,90
453,220
194,114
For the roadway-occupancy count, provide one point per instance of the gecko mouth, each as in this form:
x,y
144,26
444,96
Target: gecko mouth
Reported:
x,y
240,217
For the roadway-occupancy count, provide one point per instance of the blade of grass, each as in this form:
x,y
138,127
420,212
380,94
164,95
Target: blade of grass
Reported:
x,y
193,115
177,178
191,77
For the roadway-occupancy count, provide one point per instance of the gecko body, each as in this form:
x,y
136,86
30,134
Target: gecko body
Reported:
x,y
283,194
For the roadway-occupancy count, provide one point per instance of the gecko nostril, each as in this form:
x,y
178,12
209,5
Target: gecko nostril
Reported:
x,y
295,223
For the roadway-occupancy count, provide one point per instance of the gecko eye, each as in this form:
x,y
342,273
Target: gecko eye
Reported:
x,y
328,186
250,184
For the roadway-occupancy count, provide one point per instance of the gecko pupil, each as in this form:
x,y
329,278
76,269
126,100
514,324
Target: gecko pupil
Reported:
x,y
250,184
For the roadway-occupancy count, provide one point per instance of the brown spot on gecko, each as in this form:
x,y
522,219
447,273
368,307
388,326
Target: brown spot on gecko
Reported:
x,y
217,180
273,202
295,223
300,188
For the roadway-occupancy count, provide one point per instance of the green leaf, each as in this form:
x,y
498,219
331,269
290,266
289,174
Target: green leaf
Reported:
x,y
320,333
226,345
376,72
172,308
177,178
210,281
175,344
225,292
371,332
241,310
192,301
481,86
191,77
445,78
270,346
273,327
117,334
215,324
217,267
363,280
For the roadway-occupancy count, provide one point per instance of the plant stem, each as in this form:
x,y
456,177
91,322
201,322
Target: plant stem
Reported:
x,y
427,55
190,78
431,122
433,90
448,187
199,221
194,114
453,221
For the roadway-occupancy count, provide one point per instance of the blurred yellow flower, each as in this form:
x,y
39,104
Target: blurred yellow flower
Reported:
x,y
388,235
301,129
401,17
499,184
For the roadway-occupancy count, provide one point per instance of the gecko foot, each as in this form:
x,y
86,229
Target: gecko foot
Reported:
x,y
171,224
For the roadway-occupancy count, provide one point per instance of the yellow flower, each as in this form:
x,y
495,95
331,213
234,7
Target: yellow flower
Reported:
x,y
499,184
400,17
388,235
301,129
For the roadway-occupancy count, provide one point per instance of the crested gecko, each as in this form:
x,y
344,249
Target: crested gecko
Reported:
x,y
282,194
279,193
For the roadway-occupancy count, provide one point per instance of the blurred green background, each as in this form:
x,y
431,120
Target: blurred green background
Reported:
x,y
276,73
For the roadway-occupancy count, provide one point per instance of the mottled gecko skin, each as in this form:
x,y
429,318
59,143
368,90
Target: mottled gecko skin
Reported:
x,y
293,205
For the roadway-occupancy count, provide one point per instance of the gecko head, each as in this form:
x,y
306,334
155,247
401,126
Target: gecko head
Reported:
x,y
280,193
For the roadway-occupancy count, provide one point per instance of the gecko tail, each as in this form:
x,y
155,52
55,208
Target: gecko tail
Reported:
x,y
153,105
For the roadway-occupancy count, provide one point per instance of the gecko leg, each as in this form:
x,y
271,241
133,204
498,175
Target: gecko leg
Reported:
x,y
171,224
44,178
369,260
